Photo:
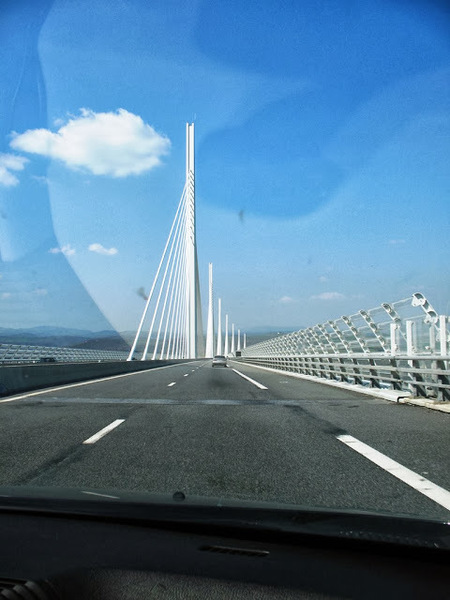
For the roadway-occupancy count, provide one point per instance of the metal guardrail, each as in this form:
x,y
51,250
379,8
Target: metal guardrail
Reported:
x,y
400,346
24,354
420,376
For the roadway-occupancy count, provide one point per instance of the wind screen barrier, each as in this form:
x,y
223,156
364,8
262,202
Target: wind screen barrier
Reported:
x,y
399,345
24,354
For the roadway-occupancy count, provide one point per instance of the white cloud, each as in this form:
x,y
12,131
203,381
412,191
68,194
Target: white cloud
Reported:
x,y
110,143
6,295
99,249
396,242
323,279
286,300
8,163
328,296
67,250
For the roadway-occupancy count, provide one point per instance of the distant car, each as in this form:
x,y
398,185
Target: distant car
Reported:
x,y
47,359
219,361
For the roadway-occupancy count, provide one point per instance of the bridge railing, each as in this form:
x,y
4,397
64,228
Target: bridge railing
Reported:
x,y
22,353
401,346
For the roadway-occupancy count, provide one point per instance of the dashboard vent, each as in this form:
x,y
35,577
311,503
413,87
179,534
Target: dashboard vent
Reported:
x,y
14,589
232,550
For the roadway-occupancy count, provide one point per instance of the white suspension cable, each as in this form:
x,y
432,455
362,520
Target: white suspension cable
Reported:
x,y
170,314
155,312
176,259
180,311
144,314
183,336
175,311
179,317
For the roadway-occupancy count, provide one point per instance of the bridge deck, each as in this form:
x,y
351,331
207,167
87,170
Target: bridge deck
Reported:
x,y
209,431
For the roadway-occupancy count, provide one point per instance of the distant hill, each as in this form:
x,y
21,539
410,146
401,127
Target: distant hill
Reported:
x,y
105,343
62,337
49,331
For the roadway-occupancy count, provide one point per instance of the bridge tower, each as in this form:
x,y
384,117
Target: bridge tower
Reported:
x,y
194,325
176,328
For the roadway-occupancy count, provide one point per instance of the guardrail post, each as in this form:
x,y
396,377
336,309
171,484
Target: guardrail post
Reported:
x,y
343,371
443,393
332,368
410,347
443,334
443,381
395,374
374,379
356,372
432,333
417,385
410,350
394,338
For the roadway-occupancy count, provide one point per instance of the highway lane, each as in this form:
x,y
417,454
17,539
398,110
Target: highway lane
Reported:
x,y
416,437
209,431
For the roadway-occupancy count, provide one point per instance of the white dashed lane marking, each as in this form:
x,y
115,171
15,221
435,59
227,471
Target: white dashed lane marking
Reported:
x,y
82,383
103,431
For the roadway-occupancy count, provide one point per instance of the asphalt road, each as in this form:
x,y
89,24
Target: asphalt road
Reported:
x,y
211,432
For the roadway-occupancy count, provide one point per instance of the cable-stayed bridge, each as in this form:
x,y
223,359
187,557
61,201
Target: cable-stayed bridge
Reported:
x,y
401,346
173,304
159,418
171,325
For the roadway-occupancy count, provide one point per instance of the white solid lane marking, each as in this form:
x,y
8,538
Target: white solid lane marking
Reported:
x,y
416,481
171,384
89,382
258,385
94,438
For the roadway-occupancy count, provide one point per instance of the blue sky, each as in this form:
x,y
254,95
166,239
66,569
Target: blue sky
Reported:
x,y
321,155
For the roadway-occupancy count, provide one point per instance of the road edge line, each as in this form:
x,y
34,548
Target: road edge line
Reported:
x,y
426,487
256,383
390,395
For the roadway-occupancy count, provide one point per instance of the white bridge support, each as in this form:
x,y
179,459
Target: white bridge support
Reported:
x,y
194,325
176,328
209,351
219,327
226,349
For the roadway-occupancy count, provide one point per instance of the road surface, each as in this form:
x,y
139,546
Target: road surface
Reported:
x,y
213,432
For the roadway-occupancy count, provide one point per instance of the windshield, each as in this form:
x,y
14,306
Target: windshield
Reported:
x,y
257,187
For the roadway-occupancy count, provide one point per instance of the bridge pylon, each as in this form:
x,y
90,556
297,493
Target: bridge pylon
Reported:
x,y
176,326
